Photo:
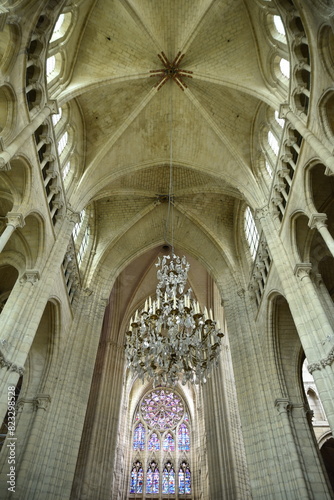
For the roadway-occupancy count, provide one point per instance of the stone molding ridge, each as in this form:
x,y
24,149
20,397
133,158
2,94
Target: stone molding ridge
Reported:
x,y
5,363
327,361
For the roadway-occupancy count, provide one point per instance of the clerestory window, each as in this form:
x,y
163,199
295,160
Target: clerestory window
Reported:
x,y
252,234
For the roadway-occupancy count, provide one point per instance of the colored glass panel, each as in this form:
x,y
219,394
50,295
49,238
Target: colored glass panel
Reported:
x,y
137,476
184,479
169,443
152,479
154,442
139,438
162,409
168,480
184,439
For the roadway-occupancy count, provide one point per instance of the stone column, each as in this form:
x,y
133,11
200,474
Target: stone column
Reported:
x,y
14,221
283,407
55,452
17,323
318,221
101,432
256,380
228,476
309,315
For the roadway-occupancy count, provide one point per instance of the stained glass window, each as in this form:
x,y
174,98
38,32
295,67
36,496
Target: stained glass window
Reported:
x,y
168,479
152,478
161,429
154,442
184,478
162,409
137,477
184,439
139,437
169,443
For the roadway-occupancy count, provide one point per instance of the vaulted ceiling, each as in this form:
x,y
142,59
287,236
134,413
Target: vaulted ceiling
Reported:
x,y
200,122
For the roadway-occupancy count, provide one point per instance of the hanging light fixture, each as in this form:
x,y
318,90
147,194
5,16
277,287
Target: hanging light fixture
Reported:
x,y
171,338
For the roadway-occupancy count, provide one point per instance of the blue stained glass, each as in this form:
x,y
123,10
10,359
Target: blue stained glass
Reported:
x,y
139,438
169,443
154,442
184,439
152,479
184,479
188,482
140,480
181,482
168,481
137,476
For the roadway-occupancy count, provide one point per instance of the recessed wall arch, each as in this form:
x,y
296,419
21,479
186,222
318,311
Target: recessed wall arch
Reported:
x,y
34,234
302,236
21,178
326,45
8,105
14,259
326,111
321,189
8,277
9,45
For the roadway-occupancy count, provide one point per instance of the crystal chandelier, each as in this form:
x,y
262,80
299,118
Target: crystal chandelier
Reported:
x,y
171,339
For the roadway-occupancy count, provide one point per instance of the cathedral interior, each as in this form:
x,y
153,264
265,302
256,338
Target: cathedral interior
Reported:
x,y
195,134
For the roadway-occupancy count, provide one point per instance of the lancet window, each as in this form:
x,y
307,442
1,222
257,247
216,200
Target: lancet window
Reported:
x,y
252,234
161,446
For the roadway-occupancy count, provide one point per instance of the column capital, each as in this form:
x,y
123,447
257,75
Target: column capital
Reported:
x,y
4,166
15,219
322,363
31,276
302,270
72,216
42,401
5,363
262,213
328,171
329,359
283,172
317,220
283,405
283,109
52,104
